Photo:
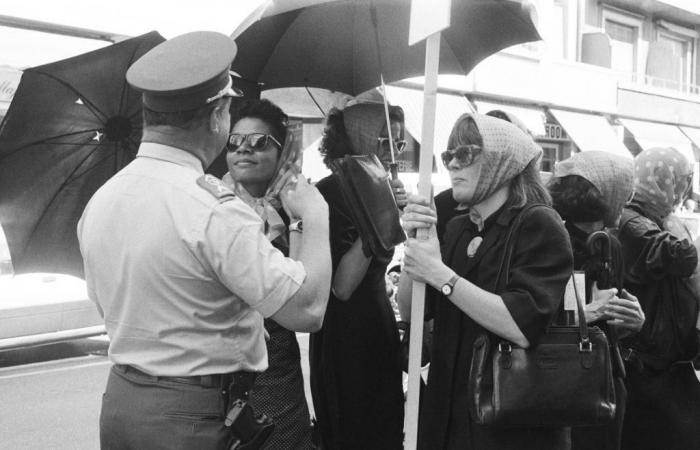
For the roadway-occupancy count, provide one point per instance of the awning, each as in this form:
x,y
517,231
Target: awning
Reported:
x,y
591,132
693,134
533,118
649,135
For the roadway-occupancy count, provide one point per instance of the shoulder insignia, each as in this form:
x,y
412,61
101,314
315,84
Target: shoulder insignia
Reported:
x,y
215,187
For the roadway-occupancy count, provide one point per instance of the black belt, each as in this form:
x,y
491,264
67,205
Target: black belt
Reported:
x,y
214,380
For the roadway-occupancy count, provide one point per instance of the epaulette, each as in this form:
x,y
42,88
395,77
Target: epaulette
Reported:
x,y
216,187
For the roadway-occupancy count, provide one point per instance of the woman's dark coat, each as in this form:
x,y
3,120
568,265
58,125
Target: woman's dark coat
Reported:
x,y
540,268
663,408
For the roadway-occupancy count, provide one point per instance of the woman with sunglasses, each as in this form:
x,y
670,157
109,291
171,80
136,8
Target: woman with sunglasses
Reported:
x,y
356,377
494,170
663,408
260,165
588,191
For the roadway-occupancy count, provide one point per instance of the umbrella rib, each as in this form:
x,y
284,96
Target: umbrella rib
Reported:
x,y
58,191
92,107
29,144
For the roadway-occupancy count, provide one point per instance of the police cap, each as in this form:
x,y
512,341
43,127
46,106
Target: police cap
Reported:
x,y
185,72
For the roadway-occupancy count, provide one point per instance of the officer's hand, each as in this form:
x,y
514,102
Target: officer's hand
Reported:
x,y
304,201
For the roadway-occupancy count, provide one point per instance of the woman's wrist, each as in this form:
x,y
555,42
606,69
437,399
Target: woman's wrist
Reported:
x,y
442,275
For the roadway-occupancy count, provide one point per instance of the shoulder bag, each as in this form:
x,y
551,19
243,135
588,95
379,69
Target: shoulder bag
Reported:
x,y
565,379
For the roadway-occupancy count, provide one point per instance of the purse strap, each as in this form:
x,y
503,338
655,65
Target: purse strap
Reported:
x,y
504,268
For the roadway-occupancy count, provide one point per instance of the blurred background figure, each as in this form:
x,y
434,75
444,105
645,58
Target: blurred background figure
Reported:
x,y
663,407
356,379
260,165
588,191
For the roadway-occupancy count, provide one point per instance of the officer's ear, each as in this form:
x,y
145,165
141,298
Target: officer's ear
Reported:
x,y
216,116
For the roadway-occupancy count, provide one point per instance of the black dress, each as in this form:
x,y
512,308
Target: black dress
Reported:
x,y
279,391
356,378
539,272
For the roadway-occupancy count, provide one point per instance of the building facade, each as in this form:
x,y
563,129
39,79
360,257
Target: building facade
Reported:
x,y
612,75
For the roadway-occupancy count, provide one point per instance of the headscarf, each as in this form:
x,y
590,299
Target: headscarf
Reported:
x,y
612,175
661,178
363,124
505,153
267,206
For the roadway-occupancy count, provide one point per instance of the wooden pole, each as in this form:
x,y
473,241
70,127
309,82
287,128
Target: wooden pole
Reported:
x,y
425,169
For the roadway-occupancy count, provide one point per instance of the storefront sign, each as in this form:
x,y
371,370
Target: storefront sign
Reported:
x,y
9,79
554,132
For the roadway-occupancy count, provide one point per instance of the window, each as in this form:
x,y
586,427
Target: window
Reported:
x,y
624,30
556,22
679,44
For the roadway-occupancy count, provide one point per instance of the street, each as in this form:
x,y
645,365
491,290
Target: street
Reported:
x,y
51,394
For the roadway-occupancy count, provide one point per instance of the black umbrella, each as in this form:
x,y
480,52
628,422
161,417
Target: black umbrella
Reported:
x,y
345,45
72,125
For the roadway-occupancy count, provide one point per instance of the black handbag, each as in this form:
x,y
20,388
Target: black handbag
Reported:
x,y
365,187
565,379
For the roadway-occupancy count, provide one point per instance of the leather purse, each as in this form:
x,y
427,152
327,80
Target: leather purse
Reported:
x,y
565,379
365,187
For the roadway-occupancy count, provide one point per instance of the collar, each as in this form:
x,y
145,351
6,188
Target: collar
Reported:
x,y
502,216
170,154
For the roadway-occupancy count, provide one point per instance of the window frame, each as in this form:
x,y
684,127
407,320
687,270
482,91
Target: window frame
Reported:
x,y
629,19
670,30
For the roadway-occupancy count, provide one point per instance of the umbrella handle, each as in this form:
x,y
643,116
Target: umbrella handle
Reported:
x,y
605,248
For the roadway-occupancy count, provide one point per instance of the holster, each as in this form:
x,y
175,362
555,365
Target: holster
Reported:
x,y
249,431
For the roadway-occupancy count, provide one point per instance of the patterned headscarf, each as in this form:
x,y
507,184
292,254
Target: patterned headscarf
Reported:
x,y
612,175
266,206
363,124
662,177
506,151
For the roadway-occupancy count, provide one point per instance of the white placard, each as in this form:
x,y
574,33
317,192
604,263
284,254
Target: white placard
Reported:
x,y
428,17
570,296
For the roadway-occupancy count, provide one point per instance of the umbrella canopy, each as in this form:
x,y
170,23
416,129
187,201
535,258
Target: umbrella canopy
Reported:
x,y
345,45
72,125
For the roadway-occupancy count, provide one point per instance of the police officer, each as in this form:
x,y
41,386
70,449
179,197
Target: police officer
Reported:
x,y
179,266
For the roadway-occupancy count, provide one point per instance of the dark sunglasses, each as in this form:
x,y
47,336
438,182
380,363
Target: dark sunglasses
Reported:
x,y
256,141
464,154
399,144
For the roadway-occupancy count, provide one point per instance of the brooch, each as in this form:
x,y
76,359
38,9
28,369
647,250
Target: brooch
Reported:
x,y
474,246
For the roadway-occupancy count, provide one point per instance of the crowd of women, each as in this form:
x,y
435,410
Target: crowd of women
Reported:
x,y
648,308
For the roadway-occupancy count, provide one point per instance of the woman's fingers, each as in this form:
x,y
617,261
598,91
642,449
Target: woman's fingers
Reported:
x,y
625,313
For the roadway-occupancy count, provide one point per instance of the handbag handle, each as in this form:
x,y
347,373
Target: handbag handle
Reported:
x,y
585,342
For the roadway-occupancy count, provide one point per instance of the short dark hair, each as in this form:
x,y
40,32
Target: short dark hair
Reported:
x,y
577,200
465,132
336,143
264,110
186,120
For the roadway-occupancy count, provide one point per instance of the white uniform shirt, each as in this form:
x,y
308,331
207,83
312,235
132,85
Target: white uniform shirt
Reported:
x,y
182,276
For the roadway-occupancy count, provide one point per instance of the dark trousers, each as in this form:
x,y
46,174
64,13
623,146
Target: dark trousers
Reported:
x,y
663,409
142,412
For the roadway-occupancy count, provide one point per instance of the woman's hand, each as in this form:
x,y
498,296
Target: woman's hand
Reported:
x,y
596,310
417,215
625,312
399,191
423,262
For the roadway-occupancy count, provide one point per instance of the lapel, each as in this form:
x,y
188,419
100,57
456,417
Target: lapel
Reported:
x,y
495,232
